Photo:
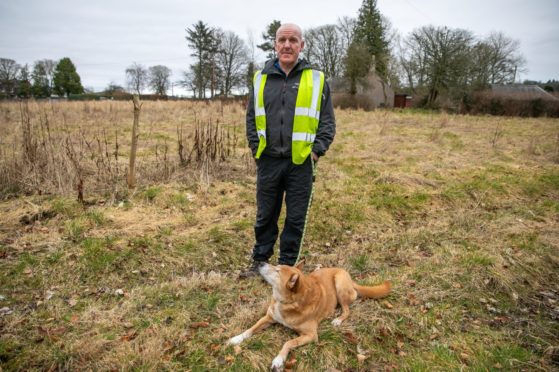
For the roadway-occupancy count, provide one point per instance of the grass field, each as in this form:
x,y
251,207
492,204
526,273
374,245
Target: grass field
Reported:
x,y
460,212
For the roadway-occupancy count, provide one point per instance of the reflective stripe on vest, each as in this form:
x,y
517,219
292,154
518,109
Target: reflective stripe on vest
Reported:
x,y
307,113
259,82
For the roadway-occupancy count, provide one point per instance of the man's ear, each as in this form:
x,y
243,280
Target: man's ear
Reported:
x,y
292,282
300,265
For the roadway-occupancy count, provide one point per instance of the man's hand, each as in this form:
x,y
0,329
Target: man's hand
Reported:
x,y
314,157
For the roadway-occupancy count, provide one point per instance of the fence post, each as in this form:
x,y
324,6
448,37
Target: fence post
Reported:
x,y
134,145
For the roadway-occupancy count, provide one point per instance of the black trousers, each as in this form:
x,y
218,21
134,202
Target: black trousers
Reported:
x,y
276,178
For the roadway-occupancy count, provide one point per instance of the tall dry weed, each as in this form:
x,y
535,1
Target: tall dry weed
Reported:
x,y
81,148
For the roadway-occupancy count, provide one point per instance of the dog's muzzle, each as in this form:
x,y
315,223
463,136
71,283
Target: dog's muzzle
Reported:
x,y
269,273
264,268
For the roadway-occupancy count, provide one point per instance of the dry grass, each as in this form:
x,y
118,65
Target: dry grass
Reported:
x,y
464,222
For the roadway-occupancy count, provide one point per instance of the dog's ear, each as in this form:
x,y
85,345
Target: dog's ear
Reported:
x,y
293,281
301,264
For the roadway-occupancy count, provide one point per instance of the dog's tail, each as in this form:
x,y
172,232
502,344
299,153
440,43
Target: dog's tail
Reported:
x,y
376,291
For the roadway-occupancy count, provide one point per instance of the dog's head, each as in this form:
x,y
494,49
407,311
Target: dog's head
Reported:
x,y
285,280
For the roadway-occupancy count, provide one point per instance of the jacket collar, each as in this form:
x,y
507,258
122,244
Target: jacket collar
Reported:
x,y
272,67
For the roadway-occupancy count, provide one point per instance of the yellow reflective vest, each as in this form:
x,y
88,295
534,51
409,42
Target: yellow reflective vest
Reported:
x,y
307,113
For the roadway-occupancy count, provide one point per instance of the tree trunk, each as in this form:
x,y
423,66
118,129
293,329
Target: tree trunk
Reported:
x,y
134,145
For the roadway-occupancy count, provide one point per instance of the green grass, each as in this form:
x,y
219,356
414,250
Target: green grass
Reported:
x,y
394,199
456,143
359,263
100,256
67,207
243,224
476,260
96,216
216,235
542,185
76,229
152,192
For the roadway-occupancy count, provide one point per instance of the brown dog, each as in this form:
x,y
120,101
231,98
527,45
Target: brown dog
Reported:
x,y
300,302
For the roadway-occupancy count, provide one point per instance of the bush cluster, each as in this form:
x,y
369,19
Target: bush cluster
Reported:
x,y
523,106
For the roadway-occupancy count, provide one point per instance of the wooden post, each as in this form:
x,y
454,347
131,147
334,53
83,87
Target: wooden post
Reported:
x,y
134,145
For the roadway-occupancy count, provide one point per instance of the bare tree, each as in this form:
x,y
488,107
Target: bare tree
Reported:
x,y
437,59
9,71
251,47
43,77
324,49
231,58
496,60
393,70
346,28
189,82
159,79
251,65
136,77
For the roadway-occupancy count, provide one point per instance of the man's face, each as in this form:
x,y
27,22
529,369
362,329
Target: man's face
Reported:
x,y
288,45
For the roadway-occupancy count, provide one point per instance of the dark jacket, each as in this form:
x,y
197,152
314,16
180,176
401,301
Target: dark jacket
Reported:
x,y
280,95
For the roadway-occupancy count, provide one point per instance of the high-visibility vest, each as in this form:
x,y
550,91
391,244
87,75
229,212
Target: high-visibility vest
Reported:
x,y
307,113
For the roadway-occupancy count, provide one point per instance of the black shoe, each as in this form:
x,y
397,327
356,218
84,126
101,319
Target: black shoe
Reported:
x,y
252,270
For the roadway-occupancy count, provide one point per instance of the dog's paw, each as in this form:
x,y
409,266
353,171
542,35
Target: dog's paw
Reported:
x,y
236,340
277,364
337,322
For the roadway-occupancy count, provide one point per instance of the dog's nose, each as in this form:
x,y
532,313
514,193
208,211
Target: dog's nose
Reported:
x,y
262,264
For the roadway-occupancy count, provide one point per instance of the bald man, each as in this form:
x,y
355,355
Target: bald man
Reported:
x,y
290,124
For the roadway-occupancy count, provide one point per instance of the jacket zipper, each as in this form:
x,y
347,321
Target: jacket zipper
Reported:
x,y
282,111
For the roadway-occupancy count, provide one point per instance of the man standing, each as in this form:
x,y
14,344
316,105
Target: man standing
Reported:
x,y
290,124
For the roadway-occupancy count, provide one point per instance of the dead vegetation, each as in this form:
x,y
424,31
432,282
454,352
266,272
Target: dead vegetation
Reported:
x,y
464,223
77,148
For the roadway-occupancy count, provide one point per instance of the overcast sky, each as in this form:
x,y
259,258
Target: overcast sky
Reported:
x,y
103,37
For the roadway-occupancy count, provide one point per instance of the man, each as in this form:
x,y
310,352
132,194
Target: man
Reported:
x,y
290,124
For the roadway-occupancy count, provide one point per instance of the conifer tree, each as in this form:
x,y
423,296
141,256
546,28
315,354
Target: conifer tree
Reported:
x,y
371,32
66,79
269,39
202,39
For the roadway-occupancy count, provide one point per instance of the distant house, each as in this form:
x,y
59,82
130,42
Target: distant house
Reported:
x,y
402,100
521,91
372,92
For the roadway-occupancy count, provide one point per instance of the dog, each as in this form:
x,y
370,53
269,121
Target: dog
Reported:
x,y
301,301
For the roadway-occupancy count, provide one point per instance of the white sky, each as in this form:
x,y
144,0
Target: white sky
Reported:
x,y
103,37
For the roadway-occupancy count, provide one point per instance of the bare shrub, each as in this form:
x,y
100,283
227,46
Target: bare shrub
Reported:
x,y
497,134
211,145
81,148
384,124
355,101
523,105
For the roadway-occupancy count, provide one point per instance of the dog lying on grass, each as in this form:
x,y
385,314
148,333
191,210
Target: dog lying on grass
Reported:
x,y
301,301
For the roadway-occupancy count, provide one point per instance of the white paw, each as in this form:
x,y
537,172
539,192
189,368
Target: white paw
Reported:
x,y
277,363
336,322
236,340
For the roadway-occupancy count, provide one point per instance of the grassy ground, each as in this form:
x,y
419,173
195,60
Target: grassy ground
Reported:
x,y
461,213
